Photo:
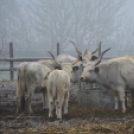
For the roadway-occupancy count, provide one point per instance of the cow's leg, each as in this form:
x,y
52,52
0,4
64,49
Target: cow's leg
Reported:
x,y
18,99
121,93
51,107
29,97
116,100
45,100
59,103
66,103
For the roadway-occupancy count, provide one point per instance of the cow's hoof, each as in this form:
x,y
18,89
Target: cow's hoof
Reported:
x,y
51,119
66,116
60,120
123,111
45,108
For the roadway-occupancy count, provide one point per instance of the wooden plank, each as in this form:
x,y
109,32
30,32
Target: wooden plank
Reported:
x,y
8,69
23,59
58,48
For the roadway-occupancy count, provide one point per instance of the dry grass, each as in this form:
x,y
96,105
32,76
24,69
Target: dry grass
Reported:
x,y
79,121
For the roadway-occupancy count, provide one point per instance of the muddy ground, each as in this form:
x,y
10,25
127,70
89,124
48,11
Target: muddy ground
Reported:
x,y
79,120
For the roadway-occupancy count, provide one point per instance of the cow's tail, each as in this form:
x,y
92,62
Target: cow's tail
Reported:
x,y
21,88
23,100
54,87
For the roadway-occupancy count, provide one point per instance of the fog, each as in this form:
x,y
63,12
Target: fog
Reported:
x,y
35,27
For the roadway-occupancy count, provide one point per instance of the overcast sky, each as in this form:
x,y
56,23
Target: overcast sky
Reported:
x,y
129,10
21,14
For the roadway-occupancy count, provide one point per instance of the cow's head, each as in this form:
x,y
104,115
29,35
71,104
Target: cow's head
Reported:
x,y
91,70
70,68
86,56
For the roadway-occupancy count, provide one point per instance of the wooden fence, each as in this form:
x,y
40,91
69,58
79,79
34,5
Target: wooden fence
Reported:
x,y
11,60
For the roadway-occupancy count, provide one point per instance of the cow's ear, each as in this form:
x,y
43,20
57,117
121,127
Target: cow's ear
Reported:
x,y
47,75
80,57
94,58
58,67
97,69
75,68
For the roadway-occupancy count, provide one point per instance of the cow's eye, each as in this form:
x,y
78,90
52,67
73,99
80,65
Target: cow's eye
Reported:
x,y
90,71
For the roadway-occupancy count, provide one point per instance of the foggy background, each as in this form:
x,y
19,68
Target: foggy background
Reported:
x,y
34,27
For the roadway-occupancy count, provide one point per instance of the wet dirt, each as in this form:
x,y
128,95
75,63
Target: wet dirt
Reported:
x,y
79,120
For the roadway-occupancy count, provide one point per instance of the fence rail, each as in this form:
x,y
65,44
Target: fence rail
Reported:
x,y
11,60
23,59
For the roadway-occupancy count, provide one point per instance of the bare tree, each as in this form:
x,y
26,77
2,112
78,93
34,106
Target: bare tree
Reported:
x,y
86,22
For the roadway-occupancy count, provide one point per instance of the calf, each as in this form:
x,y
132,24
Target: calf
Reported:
x,y
58,84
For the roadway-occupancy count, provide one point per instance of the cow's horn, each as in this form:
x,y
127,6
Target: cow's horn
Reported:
x,y
78,51
54,58
99,59
97,48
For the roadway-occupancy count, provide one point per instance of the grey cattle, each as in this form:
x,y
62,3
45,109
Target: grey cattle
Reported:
x,y
58,85
86,56
116,74
30,78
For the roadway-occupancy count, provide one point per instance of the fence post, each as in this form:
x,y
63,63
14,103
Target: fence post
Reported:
x,y
11,62
58,48
99,52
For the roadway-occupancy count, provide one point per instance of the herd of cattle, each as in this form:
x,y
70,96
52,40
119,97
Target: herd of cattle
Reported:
x,y
52,78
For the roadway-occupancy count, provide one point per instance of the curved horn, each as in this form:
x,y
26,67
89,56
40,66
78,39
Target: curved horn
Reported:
x,y
78,51
54,58
99,59
97,48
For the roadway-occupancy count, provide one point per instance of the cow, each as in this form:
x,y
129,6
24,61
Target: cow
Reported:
x,y
58,85
30,78
116,74
86,56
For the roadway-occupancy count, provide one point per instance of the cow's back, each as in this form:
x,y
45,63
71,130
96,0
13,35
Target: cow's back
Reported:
x,y
21,69
34,75
58,81
120,71
127,71
21,76
65,58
